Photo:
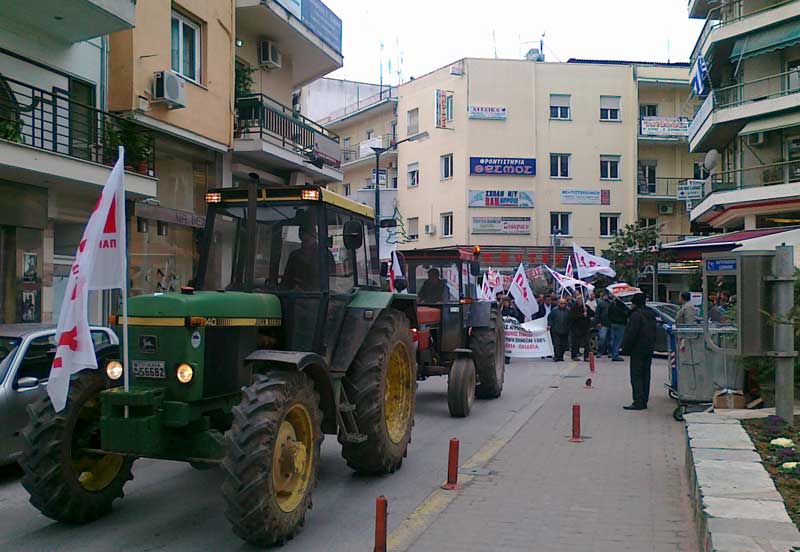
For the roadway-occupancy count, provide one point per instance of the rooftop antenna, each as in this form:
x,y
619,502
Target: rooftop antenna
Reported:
x,y
668,57
494,42
380,85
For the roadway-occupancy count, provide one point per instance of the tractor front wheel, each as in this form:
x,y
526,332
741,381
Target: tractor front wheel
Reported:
x,y
272,458
67,480
382,383
488,349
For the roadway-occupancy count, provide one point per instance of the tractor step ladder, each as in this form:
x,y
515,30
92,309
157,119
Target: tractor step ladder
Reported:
x,y
347,421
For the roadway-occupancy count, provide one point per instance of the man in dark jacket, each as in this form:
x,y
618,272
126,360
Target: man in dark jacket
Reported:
x,y
639,342
603,324
618,318
580,323
558,324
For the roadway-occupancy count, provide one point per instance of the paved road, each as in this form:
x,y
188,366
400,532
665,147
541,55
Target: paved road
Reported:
x,y
170,506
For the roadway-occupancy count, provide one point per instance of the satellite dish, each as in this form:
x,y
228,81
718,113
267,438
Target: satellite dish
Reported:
x,y
711,160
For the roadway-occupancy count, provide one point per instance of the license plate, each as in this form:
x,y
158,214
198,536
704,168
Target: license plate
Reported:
x,y
149,369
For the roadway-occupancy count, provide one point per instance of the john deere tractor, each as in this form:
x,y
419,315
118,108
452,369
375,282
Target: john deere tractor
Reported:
x,y
285,336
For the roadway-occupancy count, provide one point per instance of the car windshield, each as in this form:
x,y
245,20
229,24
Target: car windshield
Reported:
x,y
667,308
8,348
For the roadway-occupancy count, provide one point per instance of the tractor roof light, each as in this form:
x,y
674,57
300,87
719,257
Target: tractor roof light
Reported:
x,y
185,373
310,195
213,197
476,250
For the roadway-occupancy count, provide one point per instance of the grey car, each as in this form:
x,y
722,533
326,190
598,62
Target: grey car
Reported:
x,y
26,353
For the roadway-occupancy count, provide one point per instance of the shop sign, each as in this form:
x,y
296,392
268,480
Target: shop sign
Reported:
x,y
171,216
321,21
365,147
488,113
381,177
720,265
501,225
504,166
691,189
500,198
667,127
586,197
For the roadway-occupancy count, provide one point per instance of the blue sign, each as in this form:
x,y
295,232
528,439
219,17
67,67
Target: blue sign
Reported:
x,y
718,265
502,166
323,22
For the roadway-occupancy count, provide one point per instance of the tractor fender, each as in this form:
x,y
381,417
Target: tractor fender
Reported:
x,y
315,367
480,315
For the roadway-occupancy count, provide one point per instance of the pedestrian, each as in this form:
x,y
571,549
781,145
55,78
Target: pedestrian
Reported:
x,y
592,302
640,342
687,314
544,307
509,308
617,318
558,325
580,323
602,324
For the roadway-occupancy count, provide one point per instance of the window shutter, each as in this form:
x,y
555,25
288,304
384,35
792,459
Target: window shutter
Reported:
x,y
609,102
559,100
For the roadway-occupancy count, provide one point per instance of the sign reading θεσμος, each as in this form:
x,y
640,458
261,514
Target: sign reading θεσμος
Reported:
x,y
502,166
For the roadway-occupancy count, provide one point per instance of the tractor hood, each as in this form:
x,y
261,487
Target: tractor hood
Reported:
x,y
216,304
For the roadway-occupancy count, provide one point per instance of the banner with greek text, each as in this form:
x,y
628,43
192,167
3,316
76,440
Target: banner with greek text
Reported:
x,y
528,340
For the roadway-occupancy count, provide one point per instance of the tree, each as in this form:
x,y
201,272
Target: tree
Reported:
x,y
634,248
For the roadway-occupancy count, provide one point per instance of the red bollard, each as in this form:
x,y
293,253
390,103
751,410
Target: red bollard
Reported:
x,y
381,513
576,424
591,362
452,467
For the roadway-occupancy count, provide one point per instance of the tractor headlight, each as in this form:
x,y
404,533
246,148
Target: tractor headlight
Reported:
x,y
185,373
114,370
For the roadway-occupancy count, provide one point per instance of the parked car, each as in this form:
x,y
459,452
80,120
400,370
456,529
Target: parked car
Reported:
x,y
666,313
26,354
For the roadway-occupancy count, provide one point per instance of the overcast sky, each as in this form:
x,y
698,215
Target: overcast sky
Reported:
x,y
431,33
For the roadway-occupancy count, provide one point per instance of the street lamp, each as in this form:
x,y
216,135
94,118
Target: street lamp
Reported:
x,y
378,152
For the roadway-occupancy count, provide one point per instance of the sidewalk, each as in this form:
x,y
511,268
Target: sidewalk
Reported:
x,y
624,488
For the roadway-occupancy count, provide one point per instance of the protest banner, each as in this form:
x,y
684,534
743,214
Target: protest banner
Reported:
x,y
528,340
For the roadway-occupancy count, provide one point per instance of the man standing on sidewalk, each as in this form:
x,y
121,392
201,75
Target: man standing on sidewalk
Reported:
x,y
580,323
639,342
687,313
603,325
558,324
618,318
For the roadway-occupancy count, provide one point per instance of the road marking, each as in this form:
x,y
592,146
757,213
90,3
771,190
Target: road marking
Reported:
x,y
424,515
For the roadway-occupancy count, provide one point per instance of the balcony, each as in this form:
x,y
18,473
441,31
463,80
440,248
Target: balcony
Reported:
x,y
664,129
273,135
364,154
660,188
46,138
362,107
308,34
726,110
72,21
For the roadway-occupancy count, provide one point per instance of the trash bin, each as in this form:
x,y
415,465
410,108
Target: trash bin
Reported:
x,y
697,371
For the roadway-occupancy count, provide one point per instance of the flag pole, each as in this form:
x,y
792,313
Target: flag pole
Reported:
x,y
124,290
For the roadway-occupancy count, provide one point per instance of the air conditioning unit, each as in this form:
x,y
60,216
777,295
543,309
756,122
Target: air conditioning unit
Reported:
x,y
457,69
269,55
168,88
666,208
430,229
755,139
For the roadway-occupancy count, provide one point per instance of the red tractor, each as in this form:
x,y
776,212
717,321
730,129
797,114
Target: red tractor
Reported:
x,y
457,335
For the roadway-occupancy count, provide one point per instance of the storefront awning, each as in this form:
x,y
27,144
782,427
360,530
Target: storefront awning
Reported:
x,y
768,40
693,248
771,123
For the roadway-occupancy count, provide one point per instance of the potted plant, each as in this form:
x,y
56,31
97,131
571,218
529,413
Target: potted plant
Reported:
x,y
11,129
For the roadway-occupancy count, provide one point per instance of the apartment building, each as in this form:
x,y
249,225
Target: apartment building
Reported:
x,y
749,122
58,140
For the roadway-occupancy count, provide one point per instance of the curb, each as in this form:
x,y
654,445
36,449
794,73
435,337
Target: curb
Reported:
x,y
736,505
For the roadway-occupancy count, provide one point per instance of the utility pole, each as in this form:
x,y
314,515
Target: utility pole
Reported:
x,y
783,332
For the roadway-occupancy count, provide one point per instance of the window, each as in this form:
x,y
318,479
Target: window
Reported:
x,y
609,108
370,134
185,50
413,175
346,190
447,166
609,167
647,177
349,154
449,107
100,339
559,106
793,75
412,122
700,172
609,225
648,110
647,222
447,225
38,358
559,165
413,229
561,223
394,182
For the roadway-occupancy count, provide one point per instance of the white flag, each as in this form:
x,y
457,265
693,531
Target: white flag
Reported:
x,y
568,282
486,290
522,293
395,270
589,265
99,264
495,283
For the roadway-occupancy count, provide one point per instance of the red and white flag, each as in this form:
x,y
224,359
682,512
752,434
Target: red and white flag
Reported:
x,y
99,264
486,289
495,283
395,270
589,265
568,269
523,296
568,282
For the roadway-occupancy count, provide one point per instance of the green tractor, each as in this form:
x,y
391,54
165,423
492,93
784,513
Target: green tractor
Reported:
x,y
285,336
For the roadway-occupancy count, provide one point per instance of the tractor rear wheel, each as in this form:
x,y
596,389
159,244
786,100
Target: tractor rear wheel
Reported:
x,y
67,483
272,458
461,388
382,383
488,350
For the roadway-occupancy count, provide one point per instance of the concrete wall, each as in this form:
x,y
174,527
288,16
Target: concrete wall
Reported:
x,y
275,83
324,96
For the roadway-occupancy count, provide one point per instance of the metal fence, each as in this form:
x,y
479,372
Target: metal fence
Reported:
x,y
660,186
51,121
766,88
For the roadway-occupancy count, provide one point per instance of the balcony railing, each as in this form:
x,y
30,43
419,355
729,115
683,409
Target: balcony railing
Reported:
x,y
51,121
364,149
665,128
361,103
661,186
772,174
259,116
765,88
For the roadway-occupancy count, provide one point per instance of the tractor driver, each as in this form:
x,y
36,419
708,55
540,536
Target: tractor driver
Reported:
x,y
434,289
302,268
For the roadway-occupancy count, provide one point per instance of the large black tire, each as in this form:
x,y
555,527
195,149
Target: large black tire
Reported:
x,y
366,384
64,483
488,351
254,507
461,388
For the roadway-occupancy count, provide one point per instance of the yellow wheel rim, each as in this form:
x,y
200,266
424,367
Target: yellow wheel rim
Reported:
x,y
293,458
94,472
399,394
